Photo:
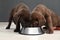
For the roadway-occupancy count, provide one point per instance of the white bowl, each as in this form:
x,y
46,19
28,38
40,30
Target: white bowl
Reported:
x,y
32,30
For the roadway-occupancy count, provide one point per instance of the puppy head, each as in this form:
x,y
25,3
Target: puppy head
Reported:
x,y
25,17
37,19
34,19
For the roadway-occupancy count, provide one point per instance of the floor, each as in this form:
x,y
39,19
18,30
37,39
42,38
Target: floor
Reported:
x,y
10,35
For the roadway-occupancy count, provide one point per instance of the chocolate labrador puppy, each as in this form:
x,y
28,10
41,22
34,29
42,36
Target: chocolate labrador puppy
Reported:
x,y
41,15
19,14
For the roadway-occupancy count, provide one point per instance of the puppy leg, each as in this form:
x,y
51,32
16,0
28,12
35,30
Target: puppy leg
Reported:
x,y
49,25
17,26
10,21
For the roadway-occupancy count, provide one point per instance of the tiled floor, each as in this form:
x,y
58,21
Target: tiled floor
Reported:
x,y
10,35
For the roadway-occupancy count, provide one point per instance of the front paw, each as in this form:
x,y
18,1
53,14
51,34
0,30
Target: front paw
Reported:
x,y
19,32
7,27
16,30
49,32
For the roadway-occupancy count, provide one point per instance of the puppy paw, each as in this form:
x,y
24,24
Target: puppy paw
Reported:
x,y
19,32
49,32
7,27
16,30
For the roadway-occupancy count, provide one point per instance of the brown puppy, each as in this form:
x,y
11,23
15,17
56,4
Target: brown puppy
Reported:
x,y
41,15
19,14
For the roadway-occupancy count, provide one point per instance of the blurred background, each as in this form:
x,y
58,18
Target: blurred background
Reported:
x,y
7,5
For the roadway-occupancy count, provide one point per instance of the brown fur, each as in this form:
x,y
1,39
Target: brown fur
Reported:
x,y
19,14
41,15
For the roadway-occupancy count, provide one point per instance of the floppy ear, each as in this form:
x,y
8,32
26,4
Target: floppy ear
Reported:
x,y
25,13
